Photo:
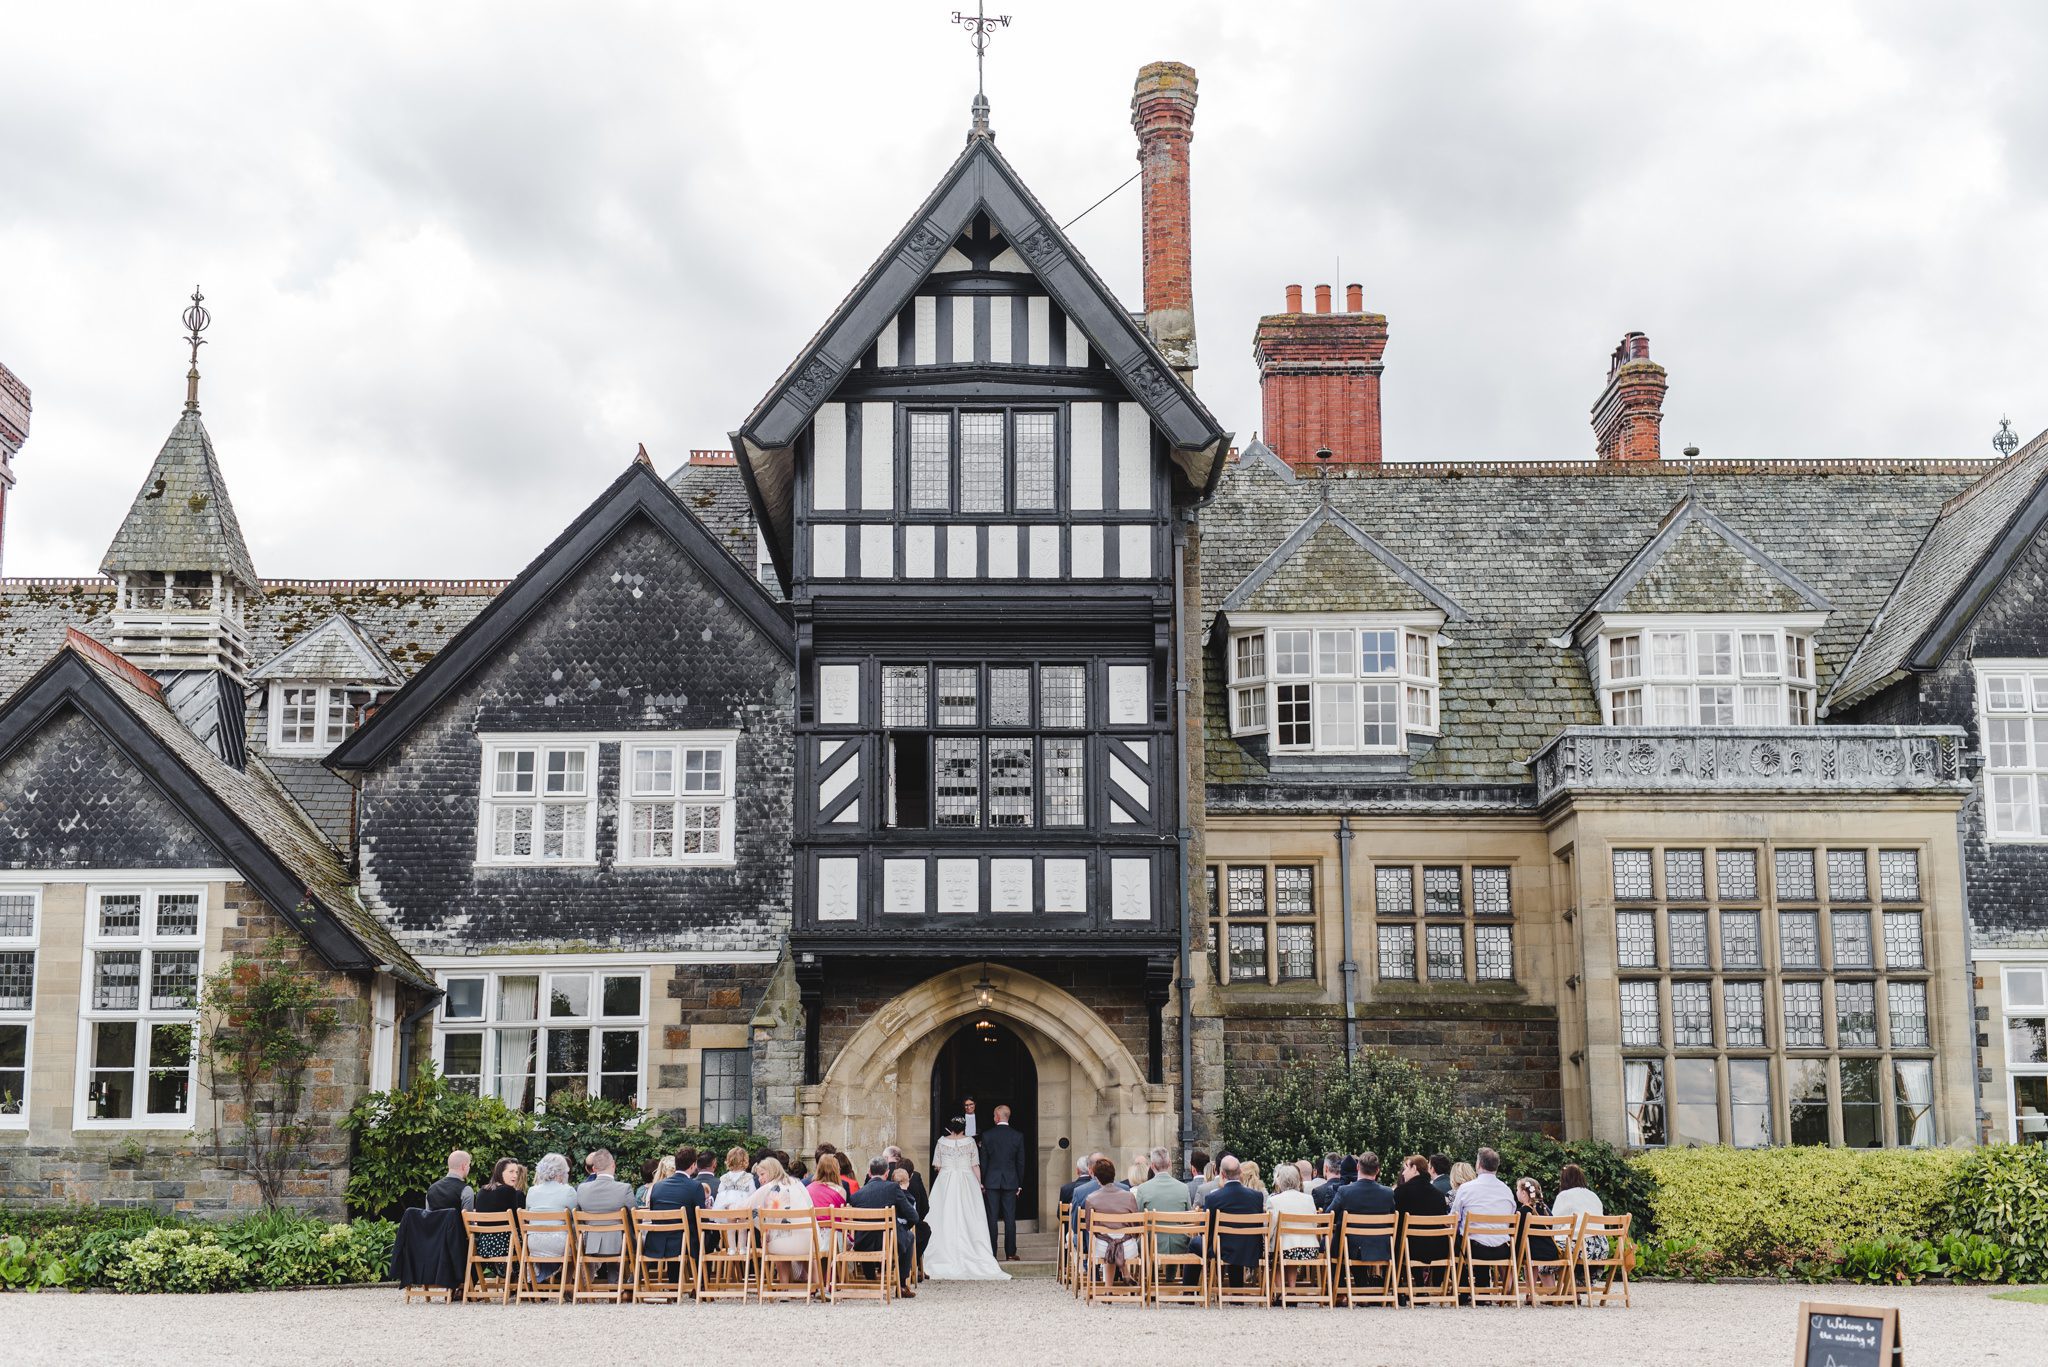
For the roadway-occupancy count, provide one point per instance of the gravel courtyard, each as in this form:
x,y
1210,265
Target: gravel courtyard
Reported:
x,y
1027,1322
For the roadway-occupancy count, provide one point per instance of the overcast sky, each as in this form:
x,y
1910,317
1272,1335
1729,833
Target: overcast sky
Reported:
x,y
464,257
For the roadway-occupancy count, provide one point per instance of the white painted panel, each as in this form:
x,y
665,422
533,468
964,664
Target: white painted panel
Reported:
x,y
1066,886
1008,260
1130,883
962,554
1127,779
1037,330
840,779
1087,552
1002,552
839,695
1128,704
828,552
1133,458
1133,552
1084,460
828,458
953,260
885,344
1077,344
903,887
1009,885
877,456
839,889
999,330
920,552
877,552
1045,552
963,329
959,887
924,332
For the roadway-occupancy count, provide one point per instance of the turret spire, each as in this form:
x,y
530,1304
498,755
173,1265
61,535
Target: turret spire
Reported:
x,y
981,26
196,319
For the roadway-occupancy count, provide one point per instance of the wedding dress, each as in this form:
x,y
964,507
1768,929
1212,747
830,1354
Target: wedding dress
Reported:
x,y
959,1250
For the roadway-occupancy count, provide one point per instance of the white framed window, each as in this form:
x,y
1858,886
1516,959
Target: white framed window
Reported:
x,y
524,1033
20,922
2012,701
2025,1011
677,804
1707,671
539,802
139,1007
1334,685
310,718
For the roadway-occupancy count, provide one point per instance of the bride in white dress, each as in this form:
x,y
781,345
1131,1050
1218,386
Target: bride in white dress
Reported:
x,y
959,1250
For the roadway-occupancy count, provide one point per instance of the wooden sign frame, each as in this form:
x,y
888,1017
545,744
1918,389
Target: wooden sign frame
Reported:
x,y
1890,1351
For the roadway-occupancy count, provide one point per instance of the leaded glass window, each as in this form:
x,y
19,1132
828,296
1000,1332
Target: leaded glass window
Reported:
x,y
981,462
1852,939
1010,773
931,461
1689,939
1803,1025
904,696
1446,953
1643,1081
1795,876
1490,892
1742,942
1641,1024
1062,761
1062,697
1856,1015
1493,951
1636,938
1297,945
1685,875
1692,1015
1799,939
1898,875
1248,893
1632,875
1908,1005
1735,872
1742,1009
1443,891
1247,950
1902,944
1394,891
1397,953
17,916
1009,697
1035,461
958,701
1848,876
17,980
957,763
1294,890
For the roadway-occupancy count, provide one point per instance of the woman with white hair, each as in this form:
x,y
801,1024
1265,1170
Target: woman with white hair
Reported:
x,y
550,1191
1289,1199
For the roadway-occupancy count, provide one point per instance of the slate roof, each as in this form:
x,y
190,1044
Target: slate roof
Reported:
x,y
181,518
336,649
1963,554
717,496
1525,548
1696,562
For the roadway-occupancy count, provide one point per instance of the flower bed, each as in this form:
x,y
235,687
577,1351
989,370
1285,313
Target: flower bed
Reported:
x,y
142,1250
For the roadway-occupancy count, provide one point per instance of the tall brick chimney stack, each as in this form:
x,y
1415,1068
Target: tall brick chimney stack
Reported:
x,y
1319,379
14,411
1163,115
1627,419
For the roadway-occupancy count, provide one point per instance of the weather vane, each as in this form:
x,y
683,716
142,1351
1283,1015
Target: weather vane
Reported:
x,y
2007,441
980,27
196,318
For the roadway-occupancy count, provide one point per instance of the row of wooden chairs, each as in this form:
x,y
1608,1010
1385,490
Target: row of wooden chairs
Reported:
x,y
733,1260
1117,1259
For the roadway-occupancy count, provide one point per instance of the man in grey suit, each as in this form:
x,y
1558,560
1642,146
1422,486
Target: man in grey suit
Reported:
x,y
1002,1180
601,1194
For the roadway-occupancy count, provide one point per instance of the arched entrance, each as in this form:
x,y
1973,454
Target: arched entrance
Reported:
x,y
1092,1093
987,1059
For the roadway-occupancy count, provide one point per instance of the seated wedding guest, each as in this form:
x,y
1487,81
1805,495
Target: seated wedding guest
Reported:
x,y
1252,1177
1081,1174
602,1194
779,1191
452,1192
1136,1174
1198,1173
1236,1252
1418,1195
921,1233
1165,1192
1305,1169
1440,1172
678,1191
1483,1194
505,1191
800,1171
879,1193
1574,1197
1108,1198
1325,1188
551,1191
1363,1198
652,1171
1289,1199
1542,1247
896,1158
1461,1173
736,1187
827,1191
1087,1187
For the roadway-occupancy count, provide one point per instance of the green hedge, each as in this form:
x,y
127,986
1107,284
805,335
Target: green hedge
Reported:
x,y
2000,1194
143,1251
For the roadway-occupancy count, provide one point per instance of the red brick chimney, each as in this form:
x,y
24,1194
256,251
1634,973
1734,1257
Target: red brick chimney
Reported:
x,y
1163,115
1630,412
1319,379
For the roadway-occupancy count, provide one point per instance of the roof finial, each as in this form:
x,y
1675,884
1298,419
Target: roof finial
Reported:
x,y
2007,441
196,319
980,28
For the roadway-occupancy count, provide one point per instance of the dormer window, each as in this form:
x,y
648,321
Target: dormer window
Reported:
x,y
1707,672
308,718
1333,685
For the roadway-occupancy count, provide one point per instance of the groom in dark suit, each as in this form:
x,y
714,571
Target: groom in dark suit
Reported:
x,y
1002,1180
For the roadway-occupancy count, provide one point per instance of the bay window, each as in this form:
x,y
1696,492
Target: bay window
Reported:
x,y
524,1034
1706,672
2013,716
312,718
1333,685
140,1007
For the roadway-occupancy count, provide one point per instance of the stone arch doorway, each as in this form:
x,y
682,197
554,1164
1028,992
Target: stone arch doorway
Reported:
x,y
1092,1093
987,1058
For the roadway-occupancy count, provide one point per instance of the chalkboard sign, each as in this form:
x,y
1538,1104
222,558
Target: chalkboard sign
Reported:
x,y
1847,1336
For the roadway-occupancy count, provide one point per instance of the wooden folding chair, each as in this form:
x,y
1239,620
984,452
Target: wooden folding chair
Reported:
x,y
783,1276
545,1277
1102,1234
1318,1274
1614,1229
1064,1246
1367,1281
1187,1224
600,1276
490,1279
661,1276
725,1255
1563,1232
846,1260
1501,1283
1258,1286
1439,1284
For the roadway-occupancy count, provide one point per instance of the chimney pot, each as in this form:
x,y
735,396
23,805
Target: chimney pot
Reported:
x,y
1163,116
1322,298
1293,299
1319,380
1354,299
1628,419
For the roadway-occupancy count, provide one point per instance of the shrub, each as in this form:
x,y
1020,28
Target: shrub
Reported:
x,y
1972,1258
575,1125
174,1259
2001,1193
1623,1187
168,1253
403,1138
1381,1102
1896,1262
1768,1210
